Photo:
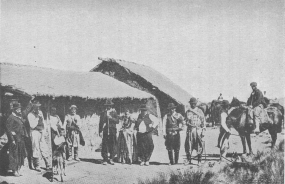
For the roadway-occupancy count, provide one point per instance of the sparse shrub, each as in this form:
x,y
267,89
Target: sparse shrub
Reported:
x,y
267,167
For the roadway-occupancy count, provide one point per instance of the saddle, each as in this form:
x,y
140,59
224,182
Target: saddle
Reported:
x,y
264,115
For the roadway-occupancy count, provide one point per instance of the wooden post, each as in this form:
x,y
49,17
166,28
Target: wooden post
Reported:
x,y
49,132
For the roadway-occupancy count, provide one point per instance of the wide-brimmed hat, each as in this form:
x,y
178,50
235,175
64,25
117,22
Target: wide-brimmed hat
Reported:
x,y
73,107
16,105
109,102
143,107
36,103
171,106
193,100
253,84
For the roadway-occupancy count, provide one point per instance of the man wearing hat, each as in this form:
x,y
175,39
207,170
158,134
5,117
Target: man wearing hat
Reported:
x,y
16,133
225,132
256,102
195,119
108,131
72,123
172,124
39,146
145,126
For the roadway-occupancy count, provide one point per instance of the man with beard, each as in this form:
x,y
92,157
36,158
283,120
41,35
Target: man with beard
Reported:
x,y
195,120
172,124
145,126
107,131
72,123
39,145
17,134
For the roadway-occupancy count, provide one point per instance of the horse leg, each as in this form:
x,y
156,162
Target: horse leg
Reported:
x,y
243,143
273,134
248,140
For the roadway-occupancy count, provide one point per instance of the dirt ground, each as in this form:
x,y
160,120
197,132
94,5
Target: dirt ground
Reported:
x,y
90,169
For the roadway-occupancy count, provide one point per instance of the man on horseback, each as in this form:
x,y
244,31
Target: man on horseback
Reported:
x,y
256,102
220,98
195,119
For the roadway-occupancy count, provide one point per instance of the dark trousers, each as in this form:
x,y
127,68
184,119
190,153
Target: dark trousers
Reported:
x,y
222,132
28,144
172,142
145,145
109,145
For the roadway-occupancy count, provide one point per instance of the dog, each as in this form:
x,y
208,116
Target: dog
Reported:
x,y
58,158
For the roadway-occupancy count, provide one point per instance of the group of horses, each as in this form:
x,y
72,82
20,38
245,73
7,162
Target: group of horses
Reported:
x,y
241,118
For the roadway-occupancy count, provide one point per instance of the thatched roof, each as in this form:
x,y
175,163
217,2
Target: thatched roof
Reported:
x,y
50,82
157,79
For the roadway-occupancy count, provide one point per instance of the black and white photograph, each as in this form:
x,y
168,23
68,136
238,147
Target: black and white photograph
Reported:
x,y
142,91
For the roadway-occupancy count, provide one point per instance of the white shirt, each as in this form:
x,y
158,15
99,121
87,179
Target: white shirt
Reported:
x,y
223,121
54,122
34,120
142,127
72,117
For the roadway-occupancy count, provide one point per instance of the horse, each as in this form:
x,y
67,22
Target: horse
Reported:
x,y
205,108
214,112
241,118
277,105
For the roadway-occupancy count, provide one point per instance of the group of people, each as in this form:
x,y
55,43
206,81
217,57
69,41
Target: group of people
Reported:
x,y
134,143
26,131
133,147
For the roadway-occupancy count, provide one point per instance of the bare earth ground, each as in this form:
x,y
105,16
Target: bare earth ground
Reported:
x,y
90,169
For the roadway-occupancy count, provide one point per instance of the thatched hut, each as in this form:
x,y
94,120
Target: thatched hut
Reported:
x,y
62,88
146,79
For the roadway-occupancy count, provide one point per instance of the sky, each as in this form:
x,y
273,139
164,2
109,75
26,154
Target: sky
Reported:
x,y
207,47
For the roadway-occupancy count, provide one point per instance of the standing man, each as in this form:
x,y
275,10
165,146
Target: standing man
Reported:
x,y
225,132
17,134
72,123
256,102
172,124
107,131
39,146
145,126
195,120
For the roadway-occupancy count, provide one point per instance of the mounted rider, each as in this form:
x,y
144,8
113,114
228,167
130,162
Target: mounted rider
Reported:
x,y
220,98
256,101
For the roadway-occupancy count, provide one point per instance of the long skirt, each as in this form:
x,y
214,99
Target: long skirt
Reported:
x,y
193,141
127,148
17,155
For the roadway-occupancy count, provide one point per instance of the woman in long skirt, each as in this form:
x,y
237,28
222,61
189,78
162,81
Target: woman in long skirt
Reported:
x,y
127,148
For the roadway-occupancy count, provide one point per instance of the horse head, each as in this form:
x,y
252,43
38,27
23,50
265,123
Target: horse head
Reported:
x,y
235,102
